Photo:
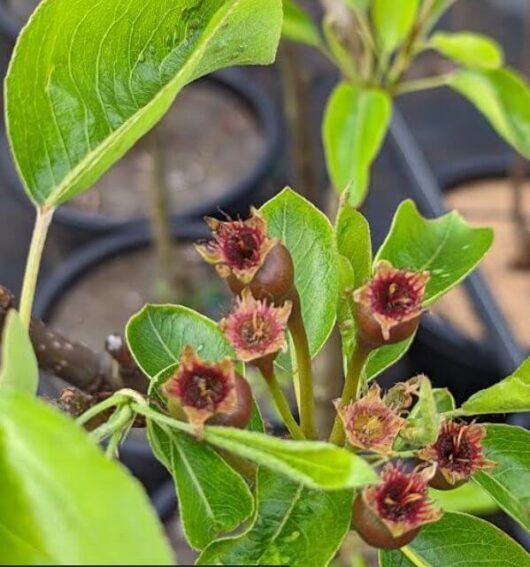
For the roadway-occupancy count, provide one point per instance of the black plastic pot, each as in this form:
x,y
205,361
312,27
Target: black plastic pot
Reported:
x,y
77,228
135,454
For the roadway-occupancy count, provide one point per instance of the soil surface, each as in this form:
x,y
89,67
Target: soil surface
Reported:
x,y
210,141
489,203
102,302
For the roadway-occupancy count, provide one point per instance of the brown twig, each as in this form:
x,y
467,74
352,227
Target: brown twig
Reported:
x,y
74,362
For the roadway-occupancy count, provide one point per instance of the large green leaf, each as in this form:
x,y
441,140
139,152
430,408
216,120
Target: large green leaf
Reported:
x,y
469,49
19,369
509,482
158,333
298,25
447,247
503,97
510,395
314,463
458,539
88,78
308,235
393,21
293,526
62,501
469,498
213,498
355,124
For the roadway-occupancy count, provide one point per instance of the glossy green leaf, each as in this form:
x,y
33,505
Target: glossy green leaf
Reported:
x,y
393,21
503,97
62,501
385,357
298,25
212,497
355,124
352,234
510,395
469,498
314,463
158,333
447,247
293,526
87,80
469,49
458,539
509,482
308,235
19,369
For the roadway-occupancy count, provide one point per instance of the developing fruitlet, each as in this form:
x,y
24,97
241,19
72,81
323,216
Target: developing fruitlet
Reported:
x,y
246,257
457,453
256,328
388,307
204,390
390,515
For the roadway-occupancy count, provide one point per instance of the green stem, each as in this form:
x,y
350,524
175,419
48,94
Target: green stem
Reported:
x,y
423,84
305,372
115,425
40,231
351,389
282,405
112,448
454,413
115,400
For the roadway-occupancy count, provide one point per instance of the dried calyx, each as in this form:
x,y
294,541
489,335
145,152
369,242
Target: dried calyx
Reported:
x,y
205,391
457,453
246,257
369,423
390,515
389,306
256,328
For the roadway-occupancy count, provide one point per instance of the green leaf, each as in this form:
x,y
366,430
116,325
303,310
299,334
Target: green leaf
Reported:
x,y
385,357
355,124
314,463
447,247
444,400
158,333
62,501
469,498
469,49
352,234
19,370
503,97
393,21
86,83
212,497
293,526
509,482
510,395
458,539
308,235
298,25
424,420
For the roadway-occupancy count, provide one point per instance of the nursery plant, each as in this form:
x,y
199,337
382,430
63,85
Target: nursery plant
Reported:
x,y
374,44
86,80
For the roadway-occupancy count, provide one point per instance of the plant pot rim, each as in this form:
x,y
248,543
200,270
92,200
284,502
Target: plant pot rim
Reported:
x,y
79,263
233,81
